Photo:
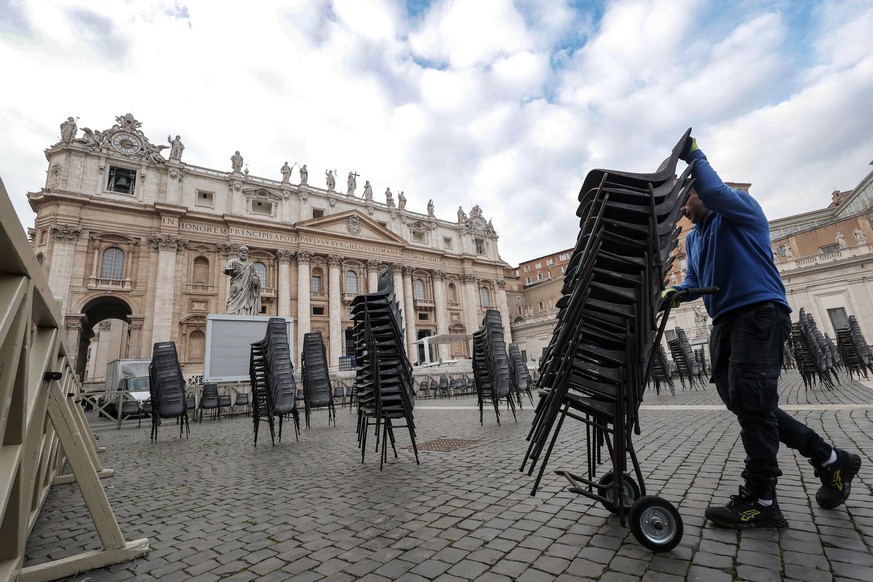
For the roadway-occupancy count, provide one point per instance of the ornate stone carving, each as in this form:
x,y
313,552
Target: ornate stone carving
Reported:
x,y
477,222
396,268
304,175
261,193
304,257
166,242
126,138
284,257
374,265
286,172
401,201
65,232
227,249
501,284
334,260
244,293
234,185
408,271
422,225
352,183
466,278
176,148
56,171
105,325
389,198
175,174
330,179
68,130
353,225
236,162
438,275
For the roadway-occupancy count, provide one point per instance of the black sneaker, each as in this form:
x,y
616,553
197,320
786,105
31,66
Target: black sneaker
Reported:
x,y
836,479
743,511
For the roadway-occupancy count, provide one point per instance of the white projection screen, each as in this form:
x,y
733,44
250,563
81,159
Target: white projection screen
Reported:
x,y
228,345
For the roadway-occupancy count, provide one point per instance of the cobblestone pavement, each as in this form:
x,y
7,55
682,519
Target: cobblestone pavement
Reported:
x,y
215,507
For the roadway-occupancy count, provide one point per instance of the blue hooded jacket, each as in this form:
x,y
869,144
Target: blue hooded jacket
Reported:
x,y
731,248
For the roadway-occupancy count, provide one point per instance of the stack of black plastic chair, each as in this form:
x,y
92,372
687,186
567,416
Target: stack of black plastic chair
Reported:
x,y
813,358
167,388
519,374
853,349
383,375
687,366
598,361
317,392
491,365
274,389
662,372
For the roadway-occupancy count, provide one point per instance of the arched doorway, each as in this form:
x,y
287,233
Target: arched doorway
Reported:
x,y
106,332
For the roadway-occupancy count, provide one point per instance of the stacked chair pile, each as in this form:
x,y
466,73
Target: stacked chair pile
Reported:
x,y
600,356
167,388
519,374
662,371
853,349
687,366
317,392
383,375
814,360
274,390
491,365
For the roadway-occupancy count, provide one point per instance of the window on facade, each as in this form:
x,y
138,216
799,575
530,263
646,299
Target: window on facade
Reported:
x,y
261,270
419,289
541,306
480,246
518,309
528,281
453,293
564,257
262,207
317,213
316,281
318,311
112,266
540,277
550,262
422,316
838,317
196,346
518,298
419,236
351,282
447,242
834,248
484,296
539,265
121,180
527,268
205,199
200,276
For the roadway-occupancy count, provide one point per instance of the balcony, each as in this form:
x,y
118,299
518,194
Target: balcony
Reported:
x,y
200,289
112,284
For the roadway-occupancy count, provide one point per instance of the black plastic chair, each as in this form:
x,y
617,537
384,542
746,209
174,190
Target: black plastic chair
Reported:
x,y
209,400
242,399
130,408
224,402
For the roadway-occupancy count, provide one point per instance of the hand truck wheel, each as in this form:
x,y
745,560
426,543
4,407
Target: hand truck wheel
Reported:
x,y
630,490
655,523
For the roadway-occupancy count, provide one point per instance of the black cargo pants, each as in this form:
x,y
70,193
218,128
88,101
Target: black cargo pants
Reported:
x,y
746,348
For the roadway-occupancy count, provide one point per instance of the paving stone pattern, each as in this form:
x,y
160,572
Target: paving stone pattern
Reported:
x,y
214,507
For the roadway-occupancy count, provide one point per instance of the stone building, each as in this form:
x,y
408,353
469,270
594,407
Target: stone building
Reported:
x,y
135,245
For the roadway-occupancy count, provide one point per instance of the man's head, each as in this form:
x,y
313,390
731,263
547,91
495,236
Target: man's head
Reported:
x,y
244,252
695,210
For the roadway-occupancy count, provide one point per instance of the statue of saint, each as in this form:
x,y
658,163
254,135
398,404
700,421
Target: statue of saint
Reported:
x,y
176,147
331,181
462,216
286,173
401,201
430,207
368,191
244,296
304,175
841,240
352,184
389,197
236,162
860,237
68,130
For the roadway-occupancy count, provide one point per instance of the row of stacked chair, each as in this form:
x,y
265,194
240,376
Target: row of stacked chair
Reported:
x,y
815,360
662,371
167,388
687,364
519,375
853,349
317,392
599,358
274,388
383,374
491,365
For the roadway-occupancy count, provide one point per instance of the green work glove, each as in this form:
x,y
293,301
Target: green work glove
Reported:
x,y
665,297
690,146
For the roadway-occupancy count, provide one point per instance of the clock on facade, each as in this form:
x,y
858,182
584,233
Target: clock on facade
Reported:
x,y
125,143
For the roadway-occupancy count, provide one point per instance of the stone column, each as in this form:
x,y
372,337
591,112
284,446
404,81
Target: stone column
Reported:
x,y
397,272
334,310
174,184
167,247
134,338
471,303
373,268
284,283
64,238
409,314
304,307
442,314
73,325
499,291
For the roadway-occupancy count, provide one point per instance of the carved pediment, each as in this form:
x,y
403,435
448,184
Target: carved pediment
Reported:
x,y
350,224
261,193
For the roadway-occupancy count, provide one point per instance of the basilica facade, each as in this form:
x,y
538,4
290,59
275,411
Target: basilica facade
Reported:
x,y
135,245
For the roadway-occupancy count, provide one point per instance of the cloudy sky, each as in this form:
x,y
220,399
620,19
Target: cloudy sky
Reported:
x,y
506,104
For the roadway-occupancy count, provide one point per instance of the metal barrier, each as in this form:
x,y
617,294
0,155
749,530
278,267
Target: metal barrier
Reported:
x,y
41,425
